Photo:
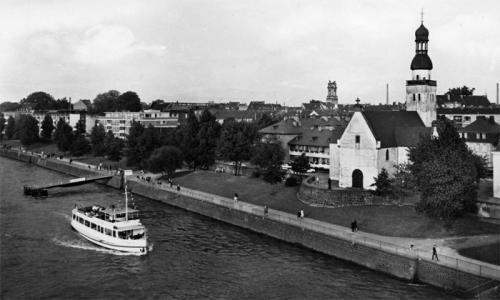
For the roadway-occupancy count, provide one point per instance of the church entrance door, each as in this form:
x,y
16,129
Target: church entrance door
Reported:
x,y
357,179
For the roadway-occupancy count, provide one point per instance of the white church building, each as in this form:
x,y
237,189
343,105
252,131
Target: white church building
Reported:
x,y
380,139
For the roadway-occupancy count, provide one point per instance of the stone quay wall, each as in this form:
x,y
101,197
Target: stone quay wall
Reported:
x,y
309,233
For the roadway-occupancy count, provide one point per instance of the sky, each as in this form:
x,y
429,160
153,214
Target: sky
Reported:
x,y
235,50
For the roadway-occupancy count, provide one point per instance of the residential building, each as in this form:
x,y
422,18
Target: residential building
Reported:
x,y
482,137
307,135
460,101
463,116
118,122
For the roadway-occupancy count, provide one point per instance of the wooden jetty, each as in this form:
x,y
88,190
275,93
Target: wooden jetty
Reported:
x,y
43,190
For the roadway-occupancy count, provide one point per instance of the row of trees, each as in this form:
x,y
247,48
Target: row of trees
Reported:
x,y
200,141
108,101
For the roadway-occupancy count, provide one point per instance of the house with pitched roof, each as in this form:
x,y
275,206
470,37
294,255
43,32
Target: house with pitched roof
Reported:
x,y
482,137
309,136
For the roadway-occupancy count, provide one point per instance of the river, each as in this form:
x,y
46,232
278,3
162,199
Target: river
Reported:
x,y
193,256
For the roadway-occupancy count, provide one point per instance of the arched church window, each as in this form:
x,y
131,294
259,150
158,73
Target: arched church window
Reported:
x,y
418,77
387,154
418,97
413,97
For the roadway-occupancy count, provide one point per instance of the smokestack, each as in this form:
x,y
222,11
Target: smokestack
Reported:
x,y
497,94
387,94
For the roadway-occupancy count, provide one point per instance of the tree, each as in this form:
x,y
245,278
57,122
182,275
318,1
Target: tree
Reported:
x,y
39,101
2,125
268,156
28,130
165,159
80,146
300,164
460,91
235,142
105,102
135,150
207,136
128,101
383,184
114,149
10,130
149,140
9,106
190,143
97,135
266,120
47,127
63,135
80,127
445,172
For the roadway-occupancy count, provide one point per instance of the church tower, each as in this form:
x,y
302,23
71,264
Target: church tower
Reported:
x,y
421,90
331,97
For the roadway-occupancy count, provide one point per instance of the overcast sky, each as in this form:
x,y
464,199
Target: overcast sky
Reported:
x,y
235,50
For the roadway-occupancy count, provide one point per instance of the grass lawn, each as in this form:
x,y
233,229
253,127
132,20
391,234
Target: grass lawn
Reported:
x,y
488,253
401,221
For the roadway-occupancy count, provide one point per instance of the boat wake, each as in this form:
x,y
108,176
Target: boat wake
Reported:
x,y
84,245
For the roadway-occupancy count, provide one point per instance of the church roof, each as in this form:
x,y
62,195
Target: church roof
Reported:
x,y
395,128
421,61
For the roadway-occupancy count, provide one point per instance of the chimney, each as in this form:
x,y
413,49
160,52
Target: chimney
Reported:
x,y
387,94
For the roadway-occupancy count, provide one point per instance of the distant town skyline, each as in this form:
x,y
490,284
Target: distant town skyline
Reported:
x,y
273,51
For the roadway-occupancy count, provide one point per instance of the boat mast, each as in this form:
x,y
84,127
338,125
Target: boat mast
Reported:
x,y
126,201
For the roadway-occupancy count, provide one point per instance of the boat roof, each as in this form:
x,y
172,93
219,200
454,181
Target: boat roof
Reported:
x,y
114,211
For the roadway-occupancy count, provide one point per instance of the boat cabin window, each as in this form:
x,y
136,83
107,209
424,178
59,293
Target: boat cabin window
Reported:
x,y
87,223
114,233
108,231
92,226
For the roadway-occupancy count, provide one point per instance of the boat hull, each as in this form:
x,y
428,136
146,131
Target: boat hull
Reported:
x,y
130,246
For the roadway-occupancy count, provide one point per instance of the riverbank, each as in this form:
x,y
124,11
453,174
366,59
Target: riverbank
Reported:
x,y
467,277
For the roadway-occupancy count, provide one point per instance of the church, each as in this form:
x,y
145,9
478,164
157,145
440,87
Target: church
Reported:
x,y
374,140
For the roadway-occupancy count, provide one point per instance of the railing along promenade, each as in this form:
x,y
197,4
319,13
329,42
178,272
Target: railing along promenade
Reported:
x,y
362,238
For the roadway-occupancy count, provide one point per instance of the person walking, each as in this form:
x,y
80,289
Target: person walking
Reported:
x,y
434,252
266,210
302,213
235,196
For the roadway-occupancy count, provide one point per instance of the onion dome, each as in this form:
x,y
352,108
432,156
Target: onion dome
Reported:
x,y
421,61
422,34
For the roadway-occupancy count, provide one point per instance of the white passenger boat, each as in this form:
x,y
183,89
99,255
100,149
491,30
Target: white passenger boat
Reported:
x,y
114,228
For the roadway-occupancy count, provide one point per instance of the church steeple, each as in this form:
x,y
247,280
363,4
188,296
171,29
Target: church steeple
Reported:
x,y
421,90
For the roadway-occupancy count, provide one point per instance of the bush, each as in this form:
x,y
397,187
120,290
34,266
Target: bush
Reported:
x,y
256,174
293,181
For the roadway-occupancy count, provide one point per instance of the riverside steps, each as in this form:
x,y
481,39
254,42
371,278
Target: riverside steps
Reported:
x,y
390,255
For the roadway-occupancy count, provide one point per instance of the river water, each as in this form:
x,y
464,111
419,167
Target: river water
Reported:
x,y
193,256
